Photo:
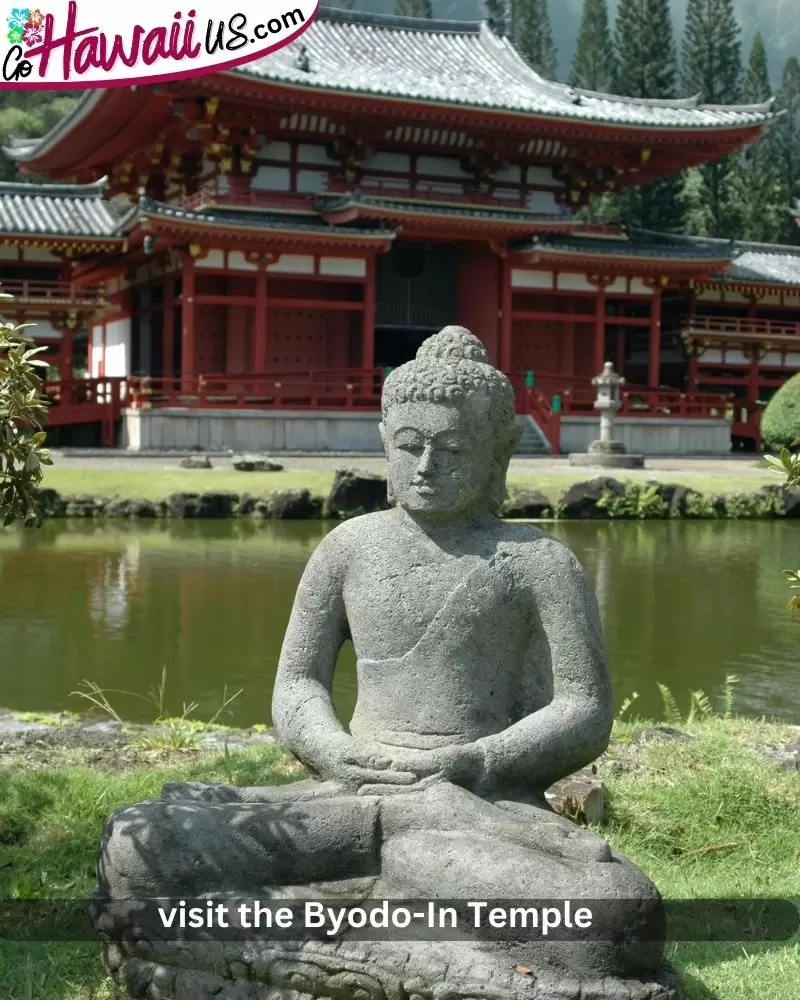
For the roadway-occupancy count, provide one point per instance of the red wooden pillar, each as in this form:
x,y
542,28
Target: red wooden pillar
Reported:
x,y
168,342
505,346
368,318
654,346
599,344
753,377
65,349
260,347
188,331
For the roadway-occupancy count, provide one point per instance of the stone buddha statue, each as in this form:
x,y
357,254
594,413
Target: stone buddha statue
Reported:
x,y
482,680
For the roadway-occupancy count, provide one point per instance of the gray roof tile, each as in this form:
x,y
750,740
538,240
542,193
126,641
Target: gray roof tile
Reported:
x,y
463,63
57,210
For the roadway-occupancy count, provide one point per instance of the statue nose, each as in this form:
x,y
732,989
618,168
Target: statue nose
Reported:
x,y
425,466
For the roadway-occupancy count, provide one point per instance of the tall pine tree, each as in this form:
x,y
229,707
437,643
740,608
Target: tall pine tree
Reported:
x,y
647,67
712,67
754,182
594,65
757,87
533,36
787,142
413,8
646,59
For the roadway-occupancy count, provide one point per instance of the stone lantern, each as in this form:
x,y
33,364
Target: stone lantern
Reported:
x,y
605,452
608,388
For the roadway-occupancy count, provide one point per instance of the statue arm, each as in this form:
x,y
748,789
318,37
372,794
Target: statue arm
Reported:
x,y
574,728
302,709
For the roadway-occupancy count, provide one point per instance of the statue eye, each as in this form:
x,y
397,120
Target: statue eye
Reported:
x,y
410,444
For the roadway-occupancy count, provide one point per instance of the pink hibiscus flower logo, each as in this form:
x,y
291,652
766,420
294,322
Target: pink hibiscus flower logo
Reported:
x,y
33,34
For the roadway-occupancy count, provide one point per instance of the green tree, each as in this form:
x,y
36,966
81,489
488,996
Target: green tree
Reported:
x,y
712,67
756,210
646,64
594,65
646,67
533,36
697,219
22,407
787,146
414,8
757,87
27,114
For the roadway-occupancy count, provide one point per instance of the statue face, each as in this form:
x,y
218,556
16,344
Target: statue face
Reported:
x,y
441,457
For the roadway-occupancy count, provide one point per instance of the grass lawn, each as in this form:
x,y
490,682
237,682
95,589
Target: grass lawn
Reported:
x,y
149,484
704,818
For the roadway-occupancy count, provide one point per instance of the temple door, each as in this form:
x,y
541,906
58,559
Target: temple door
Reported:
x,y
211,322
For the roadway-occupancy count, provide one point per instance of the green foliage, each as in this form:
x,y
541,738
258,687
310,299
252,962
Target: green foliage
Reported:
x,y
787,144
533,36
712,52
22,409
780,424
642,501
646,58
712,67
29,113
594,64
180,732
753,190
699,506
700,706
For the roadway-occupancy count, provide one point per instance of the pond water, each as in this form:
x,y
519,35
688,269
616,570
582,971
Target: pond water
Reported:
x,y
683,604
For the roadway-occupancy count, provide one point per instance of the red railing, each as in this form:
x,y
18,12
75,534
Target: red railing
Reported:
x,y
102,399
332,389
84,401
726,327
644,402
58,291
212,193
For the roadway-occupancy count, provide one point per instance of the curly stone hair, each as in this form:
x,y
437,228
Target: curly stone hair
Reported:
x,y
451,367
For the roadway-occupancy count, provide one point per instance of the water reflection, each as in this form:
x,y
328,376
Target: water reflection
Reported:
x,y
682,603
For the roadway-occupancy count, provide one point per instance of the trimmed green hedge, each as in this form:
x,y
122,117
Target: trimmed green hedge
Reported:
x,y
780,425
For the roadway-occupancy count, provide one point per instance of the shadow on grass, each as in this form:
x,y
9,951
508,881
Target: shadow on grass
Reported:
x,y
696,990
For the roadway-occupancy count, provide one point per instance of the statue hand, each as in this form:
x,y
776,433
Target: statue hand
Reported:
x,y
462,765
353,763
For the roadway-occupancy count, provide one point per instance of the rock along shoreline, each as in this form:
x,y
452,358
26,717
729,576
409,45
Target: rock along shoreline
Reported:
x,y
354,493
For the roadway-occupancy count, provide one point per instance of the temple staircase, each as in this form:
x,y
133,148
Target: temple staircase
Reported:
x,y
533,441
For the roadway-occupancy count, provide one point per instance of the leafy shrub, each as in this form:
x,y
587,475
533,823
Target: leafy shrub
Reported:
x,y
780,425
22,409
636,501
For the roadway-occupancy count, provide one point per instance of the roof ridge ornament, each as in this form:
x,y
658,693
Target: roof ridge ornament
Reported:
x,y
302,60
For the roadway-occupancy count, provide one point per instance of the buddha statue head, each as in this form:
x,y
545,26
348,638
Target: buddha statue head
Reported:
x,y
449,429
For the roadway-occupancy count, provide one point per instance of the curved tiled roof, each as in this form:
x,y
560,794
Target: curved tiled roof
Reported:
x,y
462,63
635,248
57,210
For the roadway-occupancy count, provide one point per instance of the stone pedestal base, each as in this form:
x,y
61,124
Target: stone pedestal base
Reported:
x,y
403,971
601,460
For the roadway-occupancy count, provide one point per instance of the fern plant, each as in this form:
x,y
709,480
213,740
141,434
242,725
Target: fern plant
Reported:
x,y
700,706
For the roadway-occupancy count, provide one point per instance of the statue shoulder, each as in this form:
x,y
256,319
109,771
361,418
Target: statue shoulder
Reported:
x,y
540,556
348,539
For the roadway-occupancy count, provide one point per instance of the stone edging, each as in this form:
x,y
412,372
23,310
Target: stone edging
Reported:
x,y
356,493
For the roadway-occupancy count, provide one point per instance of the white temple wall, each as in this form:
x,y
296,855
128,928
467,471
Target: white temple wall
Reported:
x,y
652,435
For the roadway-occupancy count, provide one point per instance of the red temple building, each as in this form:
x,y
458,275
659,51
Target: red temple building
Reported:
x,y
235,261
